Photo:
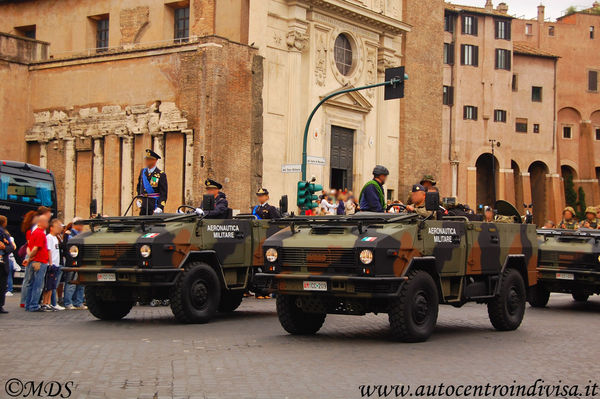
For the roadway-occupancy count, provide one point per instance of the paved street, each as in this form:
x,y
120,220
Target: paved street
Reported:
x,y
248,355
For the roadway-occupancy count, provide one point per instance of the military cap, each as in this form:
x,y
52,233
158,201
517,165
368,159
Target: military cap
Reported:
x,y
570,209
262,191
428,178
210,183
151,154
380,170
417,188
592,210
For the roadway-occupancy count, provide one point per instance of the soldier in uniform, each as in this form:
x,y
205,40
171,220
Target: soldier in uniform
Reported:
x,y
221,210
591,219
568,222
417,196
152,182
428,181
372,198
263,210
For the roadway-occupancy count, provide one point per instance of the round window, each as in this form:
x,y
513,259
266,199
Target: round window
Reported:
x,y
343,54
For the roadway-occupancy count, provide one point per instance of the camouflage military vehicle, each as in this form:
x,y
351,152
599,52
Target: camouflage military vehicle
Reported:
x,y
569,262
399,264
202,266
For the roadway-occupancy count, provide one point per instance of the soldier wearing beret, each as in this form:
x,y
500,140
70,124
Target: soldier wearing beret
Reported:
x,y
568,222
152,183
263,210
417,196
221,210
591,219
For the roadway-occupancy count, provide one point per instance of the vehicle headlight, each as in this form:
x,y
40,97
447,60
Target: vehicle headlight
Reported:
x,y
366,256
74,251
145,251
271,255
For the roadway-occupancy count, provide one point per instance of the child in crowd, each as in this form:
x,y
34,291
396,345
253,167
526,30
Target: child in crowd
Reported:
x,y
52,274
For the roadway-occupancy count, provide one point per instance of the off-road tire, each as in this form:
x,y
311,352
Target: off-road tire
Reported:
x,y
507,309
296,321
413,314
580,297
103,309
538,296
230,301
196,294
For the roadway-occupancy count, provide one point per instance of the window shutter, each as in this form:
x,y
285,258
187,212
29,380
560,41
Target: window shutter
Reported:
x,y
475,56
497,58
508,29
451,95
463,24
463,49
475,113
465,112
593,81
451,54
508,60
497,28
474,26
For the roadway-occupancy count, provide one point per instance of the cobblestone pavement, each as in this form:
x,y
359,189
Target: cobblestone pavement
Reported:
x,y
247,354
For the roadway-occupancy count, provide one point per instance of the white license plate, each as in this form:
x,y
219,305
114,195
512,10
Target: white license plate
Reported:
x,y
19,274
315,286
107,277
565,276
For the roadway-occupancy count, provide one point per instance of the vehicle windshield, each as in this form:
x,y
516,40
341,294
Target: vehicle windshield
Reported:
x,y
27,190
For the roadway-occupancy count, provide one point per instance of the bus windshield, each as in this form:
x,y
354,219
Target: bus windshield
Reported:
x,y
27,190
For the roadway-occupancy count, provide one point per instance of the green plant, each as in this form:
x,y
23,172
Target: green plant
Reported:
x,y
571,10
570,193
581,204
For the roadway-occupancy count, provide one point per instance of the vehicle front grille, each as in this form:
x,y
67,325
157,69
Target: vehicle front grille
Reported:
x,y
570,260
120,228
318,260
109,254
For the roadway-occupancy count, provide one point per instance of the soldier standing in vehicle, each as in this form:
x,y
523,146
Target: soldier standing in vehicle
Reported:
x,y
569,222
221,210
591,219
372,198
263,210
428,181
417,196
152,183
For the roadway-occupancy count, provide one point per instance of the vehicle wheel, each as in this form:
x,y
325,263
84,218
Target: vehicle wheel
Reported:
x,y
106,310
507,309
580,297
538,296
230,301
196,294
413,315
296,321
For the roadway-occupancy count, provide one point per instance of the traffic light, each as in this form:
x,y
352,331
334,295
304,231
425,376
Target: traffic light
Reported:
x,y
306,195
395,90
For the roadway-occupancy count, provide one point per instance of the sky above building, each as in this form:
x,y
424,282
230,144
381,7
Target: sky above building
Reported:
x,y
528,8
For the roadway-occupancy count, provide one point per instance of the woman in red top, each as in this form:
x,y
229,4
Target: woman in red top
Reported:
x,y
37,249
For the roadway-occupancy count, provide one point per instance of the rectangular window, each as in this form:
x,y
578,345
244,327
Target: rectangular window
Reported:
x,y
567,132
182,24
515,83
469,55
551,31
448,97
536,94
521,125
592,32
448,53
503,59
102,34
470,113
593,80
598,133
502,29
469,25
449,23
500,115
26,31
536,127
528,29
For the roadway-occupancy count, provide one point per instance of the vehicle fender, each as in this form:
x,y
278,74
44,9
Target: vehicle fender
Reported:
x,y
426,263
210,258
517,262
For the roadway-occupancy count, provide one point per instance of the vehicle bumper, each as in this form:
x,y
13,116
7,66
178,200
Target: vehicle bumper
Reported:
x,y
587,280
125,276
337,286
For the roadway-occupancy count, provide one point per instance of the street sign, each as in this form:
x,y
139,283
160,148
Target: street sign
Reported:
x,y
291,168
320,161
395,90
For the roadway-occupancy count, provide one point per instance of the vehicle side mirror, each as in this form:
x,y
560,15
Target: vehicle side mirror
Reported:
x,y
432,201
93,207
208,202
283,204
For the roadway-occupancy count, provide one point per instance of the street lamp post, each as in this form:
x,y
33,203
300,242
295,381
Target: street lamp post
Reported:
x,y
494,143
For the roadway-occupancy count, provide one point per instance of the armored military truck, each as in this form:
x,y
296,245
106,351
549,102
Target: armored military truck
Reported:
x,y
201,265
399,264
569,262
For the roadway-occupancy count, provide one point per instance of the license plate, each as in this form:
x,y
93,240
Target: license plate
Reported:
x,y
19,274
107,277
565,276
315,286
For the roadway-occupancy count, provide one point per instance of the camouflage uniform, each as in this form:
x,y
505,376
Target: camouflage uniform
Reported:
x,y
570,224
593,223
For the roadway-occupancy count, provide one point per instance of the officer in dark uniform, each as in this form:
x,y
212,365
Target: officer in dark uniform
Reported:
x,y
221,210
372,198
152,182
263,210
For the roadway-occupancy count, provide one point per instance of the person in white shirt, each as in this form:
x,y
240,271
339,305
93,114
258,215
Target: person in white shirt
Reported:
x,y
53,273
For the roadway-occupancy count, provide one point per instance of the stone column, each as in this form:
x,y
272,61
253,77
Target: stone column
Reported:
x,y
555,195
98,172
472,187
188,182
454,166
126,174
69,211
526,178
43,155
159,148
